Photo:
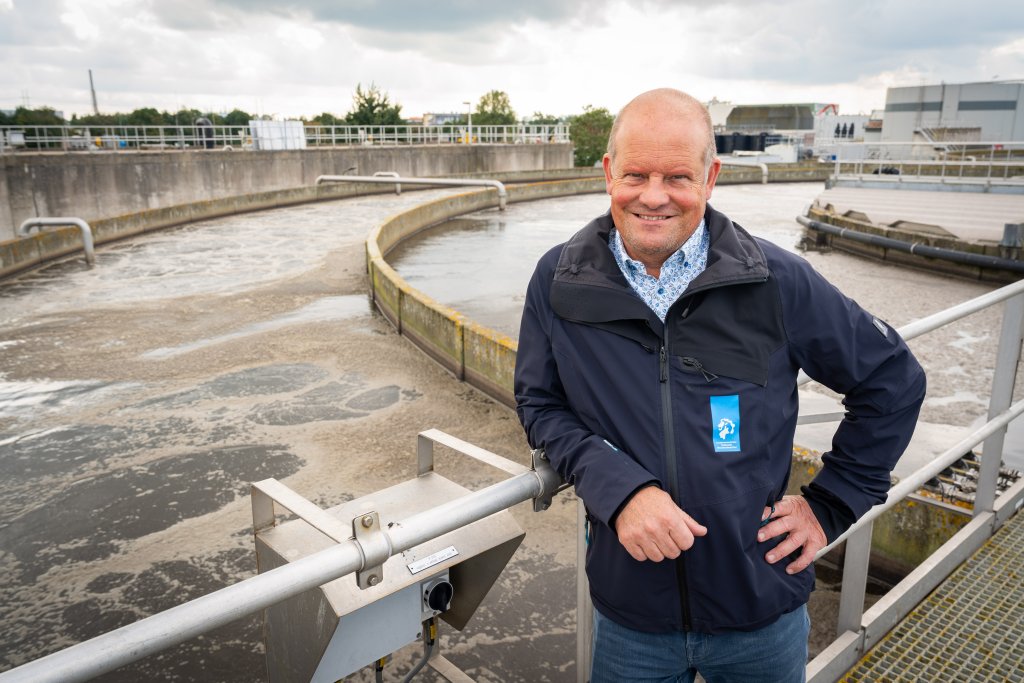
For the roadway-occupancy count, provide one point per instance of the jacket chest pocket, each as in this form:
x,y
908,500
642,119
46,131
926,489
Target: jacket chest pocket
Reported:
x,y
717,422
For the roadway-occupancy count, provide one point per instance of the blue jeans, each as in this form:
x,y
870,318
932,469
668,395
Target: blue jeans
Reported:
x,y
774,654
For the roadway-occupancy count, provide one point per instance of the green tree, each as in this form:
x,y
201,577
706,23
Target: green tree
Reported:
x,y
589,134
372,107
494,109
328,119
43,116
539,119
237,117
147,116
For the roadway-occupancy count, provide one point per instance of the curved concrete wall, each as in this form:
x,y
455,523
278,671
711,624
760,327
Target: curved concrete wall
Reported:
x,y
98,185
24,253
971,272
473,353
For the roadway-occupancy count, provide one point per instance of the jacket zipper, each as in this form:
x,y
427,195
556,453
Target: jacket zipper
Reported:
x,y
671,471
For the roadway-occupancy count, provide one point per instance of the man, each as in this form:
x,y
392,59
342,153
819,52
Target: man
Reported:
x,y
657,366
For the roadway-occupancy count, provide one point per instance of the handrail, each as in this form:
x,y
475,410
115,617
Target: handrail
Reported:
x,y
857,631
115,138
400,180
165,629
914,163
87,241
923,475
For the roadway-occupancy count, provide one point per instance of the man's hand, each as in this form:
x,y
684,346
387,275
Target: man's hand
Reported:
x,y
652,527
793,516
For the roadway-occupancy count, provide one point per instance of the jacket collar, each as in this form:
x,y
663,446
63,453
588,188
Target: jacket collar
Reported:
x,y
589,287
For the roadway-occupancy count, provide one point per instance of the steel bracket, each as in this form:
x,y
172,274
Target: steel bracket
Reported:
x,y
550,479
367,532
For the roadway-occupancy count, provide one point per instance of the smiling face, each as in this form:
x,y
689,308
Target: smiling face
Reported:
x,y
658,176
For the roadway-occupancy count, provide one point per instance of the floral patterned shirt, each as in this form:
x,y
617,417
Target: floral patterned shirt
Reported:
x,y
677,272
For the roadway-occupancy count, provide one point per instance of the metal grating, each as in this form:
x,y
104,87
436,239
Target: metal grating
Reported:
x,y
971,628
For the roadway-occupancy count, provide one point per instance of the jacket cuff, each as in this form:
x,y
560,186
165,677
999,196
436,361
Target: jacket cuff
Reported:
x,y
833,515
625,501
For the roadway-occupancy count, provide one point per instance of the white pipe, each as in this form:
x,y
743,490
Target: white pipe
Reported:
x,y
163,630
453,182
90,254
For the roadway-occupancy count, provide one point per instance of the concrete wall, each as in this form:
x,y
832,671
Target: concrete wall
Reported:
x,y
100,185
480,356
861,225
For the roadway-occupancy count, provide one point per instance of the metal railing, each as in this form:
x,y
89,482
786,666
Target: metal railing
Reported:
x,y
981,163
859,630
163,630
115,138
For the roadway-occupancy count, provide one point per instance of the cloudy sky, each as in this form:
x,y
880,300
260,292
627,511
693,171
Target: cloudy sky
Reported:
x,y
303,57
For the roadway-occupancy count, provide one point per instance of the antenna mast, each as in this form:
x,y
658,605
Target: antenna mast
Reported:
x,y
92,88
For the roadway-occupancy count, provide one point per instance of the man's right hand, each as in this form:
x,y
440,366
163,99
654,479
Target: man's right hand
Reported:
x,y
652,527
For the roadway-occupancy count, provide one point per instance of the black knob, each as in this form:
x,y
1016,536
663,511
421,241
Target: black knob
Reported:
x,y
439,596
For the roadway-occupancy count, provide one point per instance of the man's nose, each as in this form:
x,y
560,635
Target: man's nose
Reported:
x,y
654,194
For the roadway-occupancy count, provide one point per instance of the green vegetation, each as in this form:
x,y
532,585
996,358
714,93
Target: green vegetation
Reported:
x,y
589,134
494,109
371,107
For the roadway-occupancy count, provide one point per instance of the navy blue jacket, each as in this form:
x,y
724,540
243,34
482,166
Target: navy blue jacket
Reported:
x,y
620,400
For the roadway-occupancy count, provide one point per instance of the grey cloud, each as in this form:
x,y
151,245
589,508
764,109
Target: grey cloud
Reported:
x,y
844,42
437,16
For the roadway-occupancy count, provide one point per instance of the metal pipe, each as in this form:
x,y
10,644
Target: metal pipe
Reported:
x,y
916,248
90,253
163,630
390,174
452,182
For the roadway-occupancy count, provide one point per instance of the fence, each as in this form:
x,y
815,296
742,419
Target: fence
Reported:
x,y
263,135
974,162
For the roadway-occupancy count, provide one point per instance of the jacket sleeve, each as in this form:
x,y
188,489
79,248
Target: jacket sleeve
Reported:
x,y
604,477
845,348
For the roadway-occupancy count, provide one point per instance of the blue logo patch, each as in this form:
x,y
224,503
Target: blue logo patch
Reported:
x,y
725,423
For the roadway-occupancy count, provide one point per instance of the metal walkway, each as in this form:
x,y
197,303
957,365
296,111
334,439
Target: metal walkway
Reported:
x,y
971,628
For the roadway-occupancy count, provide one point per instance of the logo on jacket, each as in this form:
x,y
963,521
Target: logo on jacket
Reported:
x,y
725,423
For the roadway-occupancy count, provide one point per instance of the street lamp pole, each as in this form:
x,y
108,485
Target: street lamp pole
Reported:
x,y
469,120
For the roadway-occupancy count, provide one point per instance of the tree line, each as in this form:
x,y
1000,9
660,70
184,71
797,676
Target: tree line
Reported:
x,y
371,106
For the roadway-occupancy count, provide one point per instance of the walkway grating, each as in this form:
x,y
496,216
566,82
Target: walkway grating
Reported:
x,y
971,628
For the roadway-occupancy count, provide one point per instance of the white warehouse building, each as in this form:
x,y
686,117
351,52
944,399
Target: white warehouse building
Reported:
x,y
991,111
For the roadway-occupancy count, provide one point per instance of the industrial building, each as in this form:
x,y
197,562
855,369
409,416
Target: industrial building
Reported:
x,y
991,111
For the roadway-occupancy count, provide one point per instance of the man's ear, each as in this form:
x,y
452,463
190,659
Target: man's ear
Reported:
x,y
606,161
716,166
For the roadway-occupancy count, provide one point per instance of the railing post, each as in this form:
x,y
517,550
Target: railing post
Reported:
x,y
584,607
855,580
1007,360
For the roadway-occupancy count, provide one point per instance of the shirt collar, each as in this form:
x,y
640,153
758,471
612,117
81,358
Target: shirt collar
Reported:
x,y
678,260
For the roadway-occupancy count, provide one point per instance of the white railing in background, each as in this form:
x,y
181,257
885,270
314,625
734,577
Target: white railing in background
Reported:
x,y
944,162
111,138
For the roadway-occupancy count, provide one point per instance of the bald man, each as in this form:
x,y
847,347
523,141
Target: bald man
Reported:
x,y
657,366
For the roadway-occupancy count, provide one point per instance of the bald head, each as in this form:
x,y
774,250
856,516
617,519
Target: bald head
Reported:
x,y
666,102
